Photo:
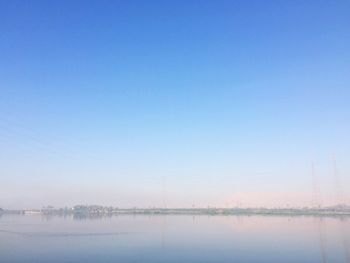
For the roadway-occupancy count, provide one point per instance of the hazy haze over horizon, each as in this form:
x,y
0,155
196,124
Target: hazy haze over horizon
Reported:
x,y
174,103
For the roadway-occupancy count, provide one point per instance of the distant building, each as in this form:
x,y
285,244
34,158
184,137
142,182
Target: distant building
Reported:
x,y
32,211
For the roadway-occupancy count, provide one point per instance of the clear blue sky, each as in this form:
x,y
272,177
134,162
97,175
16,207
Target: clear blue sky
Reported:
x,y
152,103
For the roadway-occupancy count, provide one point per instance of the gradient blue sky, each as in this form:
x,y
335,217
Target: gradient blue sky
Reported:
x,y
175,103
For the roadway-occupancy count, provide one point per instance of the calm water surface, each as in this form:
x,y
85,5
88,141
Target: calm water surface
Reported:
x,y
173,238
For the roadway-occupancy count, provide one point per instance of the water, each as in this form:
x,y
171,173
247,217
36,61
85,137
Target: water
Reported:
x,y
172,238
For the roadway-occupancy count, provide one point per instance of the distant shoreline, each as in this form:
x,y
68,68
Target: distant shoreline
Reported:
x,y
96,211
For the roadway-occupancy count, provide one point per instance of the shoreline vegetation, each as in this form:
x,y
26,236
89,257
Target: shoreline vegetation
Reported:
x,y
99,211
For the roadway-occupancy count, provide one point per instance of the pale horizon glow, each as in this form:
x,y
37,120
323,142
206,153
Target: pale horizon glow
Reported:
x,y
174,103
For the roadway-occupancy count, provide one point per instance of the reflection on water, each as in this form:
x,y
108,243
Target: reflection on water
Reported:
x,y
174,238
345,238
322,238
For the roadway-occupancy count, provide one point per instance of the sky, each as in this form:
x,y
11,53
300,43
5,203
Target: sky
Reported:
x,y
174,103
